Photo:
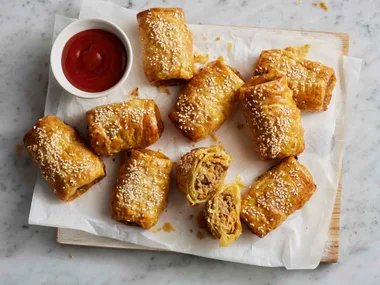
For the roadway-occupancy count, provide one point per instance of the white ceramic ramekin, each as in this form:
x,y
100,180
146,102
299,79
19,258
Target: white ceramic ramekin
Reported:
x,y
71,30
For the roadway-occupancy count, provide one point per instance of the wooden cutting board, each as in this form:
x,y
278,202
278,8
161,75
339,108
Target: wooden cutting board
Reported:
x,y
330,255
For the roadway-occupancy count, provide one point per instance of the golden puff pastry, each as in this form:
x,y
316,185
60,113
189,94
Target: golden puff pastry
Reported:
x,y
201,171
68,165
121,126
206,101
272,116
167,46
276,195
142,188
222,214
312,82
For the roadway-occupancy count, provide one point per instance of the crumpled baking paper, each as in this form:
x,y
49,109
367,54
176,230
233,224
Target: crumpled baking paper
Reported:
x,y
299,242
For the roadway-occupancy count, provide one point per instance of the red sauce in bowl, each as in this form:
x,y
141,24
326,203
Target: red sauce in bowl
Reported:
x,y
94,60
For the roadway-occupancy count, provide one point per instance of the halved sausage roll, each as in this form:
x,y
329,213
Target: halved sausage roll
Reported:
x,y
222,214
200,172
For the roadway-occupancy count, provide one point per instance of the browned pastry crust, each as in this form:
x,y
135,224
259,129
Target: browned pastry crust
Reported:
x,y
312,82
276,195
167,46
142,188
201,171
206,101
272,116
222,214
121,126
68,165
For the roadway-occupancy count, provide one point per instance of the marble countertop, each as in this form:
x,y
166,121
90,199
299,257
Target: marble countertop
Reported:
x,y
30,255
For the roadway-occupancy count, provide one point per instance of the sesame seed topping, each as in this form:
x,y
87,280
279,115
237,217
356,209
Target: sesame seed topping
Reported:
x,y
205,95
61,155
276,193
269,117
304,77
142,188
116,124
167,40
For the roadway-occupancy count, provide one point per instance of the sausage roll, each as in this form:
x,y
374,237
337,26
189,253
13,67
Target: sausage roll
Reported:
x,y
142,188
272,116
121,126
167,46
201,171
276,195
206,101
312,82
222,214
67,164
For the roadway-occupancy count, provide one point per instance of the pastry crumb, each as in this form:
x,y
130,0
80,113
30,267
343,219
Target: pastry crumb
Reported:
x,y
168,227
323,6
174,139
191,230
18,148
205,38
164,89
192,144
202,221
214,138
156,230
221,58
229,46
239,181
315,4
201,235
239,125
134,92
299,2
199,58
71,257
217,39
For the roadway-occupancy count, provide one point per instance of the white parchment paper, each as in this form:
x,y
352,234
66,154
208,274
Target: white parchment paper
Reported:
x,y
300,240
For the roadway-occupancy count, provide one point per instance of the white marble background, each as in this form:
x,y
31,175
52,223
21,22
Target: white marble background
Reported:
x,y
29,254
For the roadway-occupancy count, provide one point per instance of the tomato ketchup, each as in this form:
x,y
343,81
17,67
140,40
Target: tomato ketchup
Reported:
x,y
94,60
